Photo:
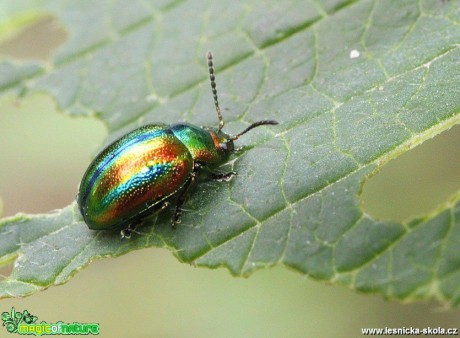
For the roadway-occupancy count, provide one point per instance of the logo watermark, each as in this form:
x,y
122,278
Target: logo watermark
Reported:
x,y
24,323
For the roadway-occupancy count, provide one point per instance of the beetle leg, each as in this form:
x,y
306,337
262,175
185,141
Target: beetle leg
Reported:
x,y
183,195
181,200
223,177
220,177
126,233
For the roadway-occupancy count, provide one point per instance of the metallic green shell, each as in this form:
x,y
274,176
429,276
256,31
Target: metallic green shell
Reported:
x,y
137,172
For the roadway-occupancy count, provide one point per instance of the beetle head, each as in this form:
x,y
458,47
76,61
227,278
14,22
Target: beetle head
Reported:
x,y
224,142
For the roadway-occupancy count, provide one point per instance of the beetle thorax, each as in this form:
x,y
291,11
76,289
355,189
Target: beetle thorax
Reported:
x,y
206,145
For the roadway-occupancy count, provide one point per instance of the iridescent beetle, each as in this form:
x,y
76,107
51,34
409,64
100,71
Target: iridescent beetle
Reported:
x,y
141,172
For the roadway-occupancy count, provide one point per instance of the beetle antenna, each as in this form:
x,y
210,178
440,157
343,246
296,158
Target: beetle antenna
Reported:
x,y
252,126
214,90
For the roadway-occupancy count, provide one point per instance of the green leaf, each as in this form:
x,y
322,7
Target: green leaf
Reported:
x,y
353,84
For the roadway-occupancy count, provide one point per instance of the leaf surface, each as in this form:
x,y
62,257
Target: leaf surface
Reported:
x,y
353,85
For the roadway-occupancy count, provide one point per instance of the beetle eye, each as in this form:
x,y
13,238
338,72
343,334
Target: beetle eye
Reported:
x,y
223,146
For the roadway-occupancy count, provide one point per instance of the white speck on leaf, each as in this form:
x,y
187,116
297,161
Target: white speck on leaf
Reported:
x,y
354,54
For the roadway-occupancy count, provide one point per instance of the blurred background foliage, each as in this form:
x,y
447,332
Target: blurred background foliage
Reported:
x,y
148,293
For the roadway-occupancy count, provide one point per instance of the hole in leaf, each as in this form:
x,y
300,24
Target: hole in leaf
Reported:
x,y
43,154
417,182
36,41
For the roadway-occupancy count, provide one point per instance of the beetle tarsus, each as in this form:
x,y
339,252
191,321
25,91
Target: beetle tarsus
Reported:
x,y
126,233
223,177
176,218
